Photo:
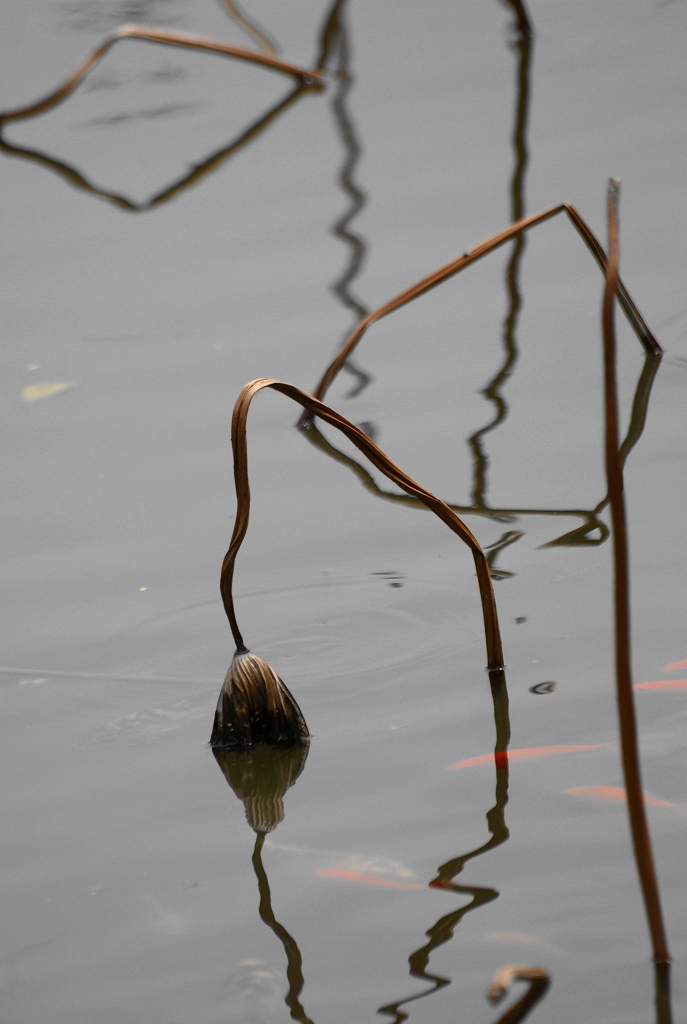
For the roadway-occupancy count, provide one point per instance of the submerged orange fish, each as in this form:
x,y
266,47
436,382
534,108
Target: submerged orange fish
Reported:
x,y
674,665
357,876
663,684
612,794
502,757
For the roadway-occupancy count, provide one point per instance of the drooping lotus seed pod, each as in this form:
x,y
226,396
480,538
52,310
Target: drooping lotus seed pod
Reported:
x,y
255,706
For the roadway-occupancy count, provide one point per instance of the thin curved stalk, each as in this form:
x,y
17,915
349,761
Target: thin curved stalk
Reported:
x,y
156,35
626,710
378,459
455,266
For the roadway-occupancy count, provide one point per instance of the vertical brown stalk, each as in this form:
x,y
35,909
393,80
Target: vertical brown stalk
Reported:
x,y
626,710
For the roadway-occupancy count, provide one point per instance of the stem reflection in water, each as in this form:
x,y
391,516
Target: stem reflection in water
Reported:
x,y
294,960
260,778
352,151
522,44
308,83
442,931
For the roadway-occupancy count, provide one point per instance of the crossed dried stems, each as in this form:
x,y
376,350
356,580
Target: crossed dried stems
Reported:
x,y
314,407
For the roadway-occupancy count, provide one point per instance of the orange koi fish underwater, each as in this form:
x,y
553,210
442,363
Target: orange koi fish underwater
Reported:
x,y
674,665
344,875
666,684
662,684
502,757
612,794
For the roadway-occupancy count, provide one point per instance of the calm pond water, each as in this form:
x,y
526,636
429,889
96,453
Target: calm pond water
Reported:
x,y
133,889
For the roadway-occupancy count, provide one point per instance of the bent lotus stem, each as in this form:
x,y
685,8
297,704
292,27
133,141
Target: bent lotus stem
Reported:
x,y
455,266
377,457
626,710
539,982
156,35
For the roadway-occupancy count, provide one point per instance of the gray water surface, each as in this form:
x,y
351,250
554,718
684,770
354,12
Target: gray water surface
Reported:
x,y
130,889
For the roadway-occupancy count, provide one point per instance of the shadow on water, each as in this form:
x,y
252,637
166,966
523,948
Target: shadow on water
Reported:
x,y
346,179
443,930
307,83
522,44
592,531
260,778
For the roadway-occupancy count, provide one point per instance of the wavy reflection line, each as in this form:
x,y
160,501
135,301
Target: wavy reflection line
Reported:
x,y
522,44
294,960
443,930
591,521
356,244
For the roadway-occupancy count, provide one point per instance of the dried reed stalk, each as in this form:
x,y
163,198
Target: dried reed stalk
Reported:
x,y
386,466
455,266
504,978
378,459
626,709
157,35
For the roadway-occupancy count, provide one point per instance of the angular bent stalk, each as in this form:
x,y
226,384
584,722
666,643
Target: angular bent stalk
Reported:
x,y
455,266
626,710
156,35
252,693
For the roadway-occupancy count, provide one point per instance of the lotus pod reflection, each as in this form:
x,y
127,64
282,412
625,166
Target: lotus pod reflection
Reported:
x,y
260,777
255,706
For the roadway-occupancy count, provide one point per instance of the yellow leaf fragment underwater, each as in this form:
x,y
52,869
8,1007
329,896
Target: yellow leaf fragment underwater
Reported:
x,y
36,391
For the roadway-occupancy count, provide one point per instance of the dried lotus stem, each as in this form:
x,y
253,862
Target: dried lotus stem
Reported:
x,y
156,35
455,266
626,710
378,459
539,982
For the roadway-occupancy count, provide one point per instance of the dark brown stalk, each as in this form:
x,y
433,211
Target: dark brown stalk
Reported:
x,y
455,266
378,459
626,709
156,35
